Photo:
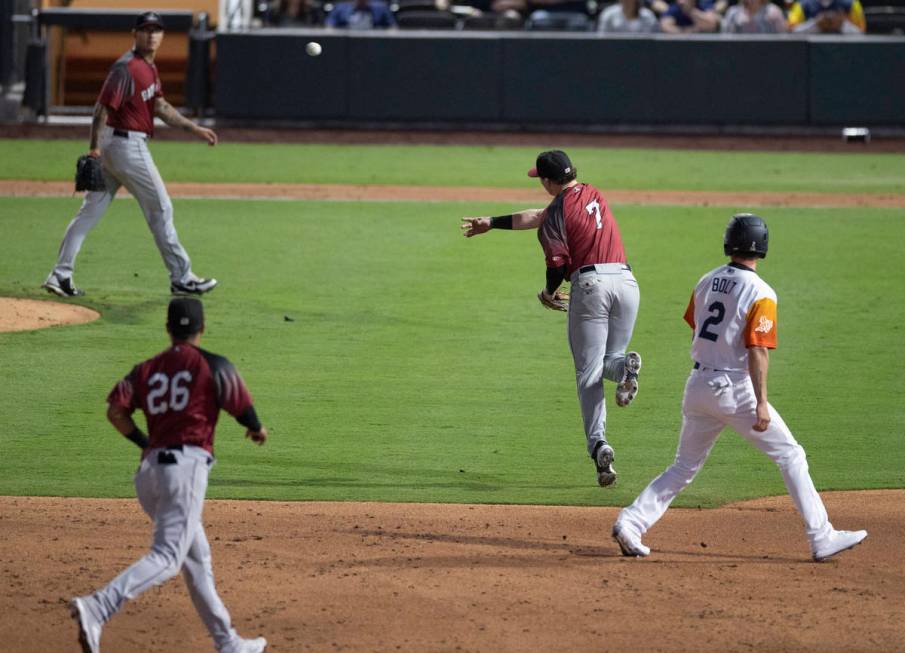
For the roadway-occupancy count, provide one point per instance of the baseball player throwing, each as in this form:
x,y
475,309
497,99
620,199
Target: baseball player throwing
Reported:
x,y
732,313
181,392
123,122
582,243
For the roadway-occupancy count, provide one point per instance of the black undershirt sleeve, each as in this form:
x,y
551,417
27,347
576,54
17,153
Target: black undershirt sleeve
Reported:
x,y
139,438
555,278
249,419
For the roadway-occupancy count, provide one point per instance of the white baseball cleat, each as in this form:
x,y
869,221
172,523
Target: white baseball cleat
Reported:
x,y
629,541
89,627
256,645
626,391
836,542
603,460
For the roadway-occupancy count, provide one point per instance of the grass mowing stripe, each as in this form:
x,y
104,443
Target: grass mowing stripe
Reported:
x,y
493,166
418,365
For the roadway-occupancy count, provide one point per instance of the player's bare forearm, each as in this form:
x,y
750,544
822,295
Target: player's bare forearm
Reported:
x,y
121,419
97,123
758,363
168,113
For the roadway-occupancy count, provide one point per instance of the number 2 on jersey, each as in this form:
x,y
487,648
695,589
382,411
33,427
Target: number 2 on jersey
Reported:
x,y
179,394
718,312
594,209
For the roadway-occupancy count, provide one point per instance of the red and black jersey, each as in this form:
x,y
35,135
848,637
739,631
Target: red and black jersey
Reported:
x,y
181,392
579,229
129,92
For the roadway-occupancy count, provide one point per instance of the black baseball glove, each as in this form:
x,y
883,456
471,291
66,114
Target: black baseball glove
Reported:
x,y
89,174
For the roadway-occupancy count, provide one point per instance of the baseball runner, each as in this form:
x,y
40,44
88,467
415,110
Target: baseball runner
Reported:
x,y
123,122
582,243
181,392
732,313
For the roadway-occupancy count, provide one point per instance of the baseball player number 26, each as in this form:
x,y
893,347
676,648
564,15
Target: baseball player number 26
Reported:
x,y
719,312
179,395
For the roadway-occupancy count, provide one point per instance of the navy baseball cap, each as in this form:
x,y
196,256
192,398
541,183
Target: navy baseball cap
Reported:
x,y
148,18
185,316
554,164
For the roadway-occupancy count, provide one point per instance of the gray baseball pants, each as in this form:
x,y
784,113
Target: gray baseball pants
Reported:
x,y
602,311
127,162
172,494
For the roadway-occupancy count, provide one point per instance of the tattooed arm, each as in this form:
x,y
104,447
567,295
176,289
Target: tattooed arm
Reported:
x,y
165,111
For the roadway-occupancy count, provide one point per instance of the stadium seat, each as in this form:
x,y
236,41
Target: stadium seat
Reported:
x,y
560,21
417,19
885,20
493,22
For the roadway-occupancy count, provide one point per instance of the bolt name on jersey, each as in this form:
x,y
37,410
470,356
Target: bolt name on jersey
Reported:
x,y
723,285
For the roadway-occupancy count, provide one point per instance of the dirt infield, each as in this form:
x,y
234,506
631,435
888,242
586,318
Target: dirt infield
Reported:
x,y
425,577
29,314
375,193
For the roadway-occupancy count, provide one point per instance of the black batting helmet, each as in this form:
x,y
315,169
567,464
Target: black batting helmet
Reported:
x,y
746,234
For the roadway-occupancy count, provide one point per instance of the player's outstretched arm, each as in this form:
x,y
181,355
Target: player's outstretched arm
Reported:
x,y
526,219
166,112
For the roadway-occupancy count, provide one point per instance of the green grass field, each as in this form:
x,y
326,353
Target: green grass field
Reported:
x,y
418,365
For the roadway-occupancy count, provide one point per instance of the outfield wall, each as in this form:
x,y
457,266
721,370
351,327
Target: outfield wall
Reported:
x,y
525,79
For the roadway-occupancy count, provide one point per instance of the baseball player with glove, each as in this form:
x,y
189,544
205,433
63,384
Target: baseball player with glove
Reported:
x,y
582,243
181,392
123,122
732,314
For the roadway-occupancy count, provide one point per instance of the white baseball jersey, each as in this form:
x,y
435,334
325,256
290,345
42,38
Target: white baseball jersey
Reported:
x,y
730,310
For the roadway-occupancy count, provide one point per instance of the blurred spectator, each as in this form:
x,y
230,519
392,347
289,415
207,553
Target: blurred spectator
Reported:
x,y
361,14
690,16
755,17
827,17
298,13
627,16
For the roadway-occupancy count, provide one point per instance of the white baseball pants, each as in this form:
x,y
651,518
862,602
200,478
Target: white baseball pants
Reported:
x,y
127,162
172,493
602,309
714,400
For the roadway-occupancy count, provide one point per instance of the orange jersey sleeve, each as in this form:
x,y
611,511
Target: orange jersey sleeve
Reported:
x,y
689,312
760,329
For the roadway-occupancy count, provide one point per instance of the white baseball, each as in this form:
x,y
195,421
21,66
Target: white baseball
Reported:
x,y
313,48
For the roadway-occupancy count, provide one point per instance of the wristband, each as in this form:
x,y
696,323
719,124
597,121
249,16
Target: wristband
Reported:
x,y
139,438
501,222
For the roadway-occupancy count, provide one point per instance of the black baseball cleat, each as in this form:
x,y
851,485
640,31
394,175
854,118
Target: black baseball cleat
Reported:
x,y
61,287
603,460
194,286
